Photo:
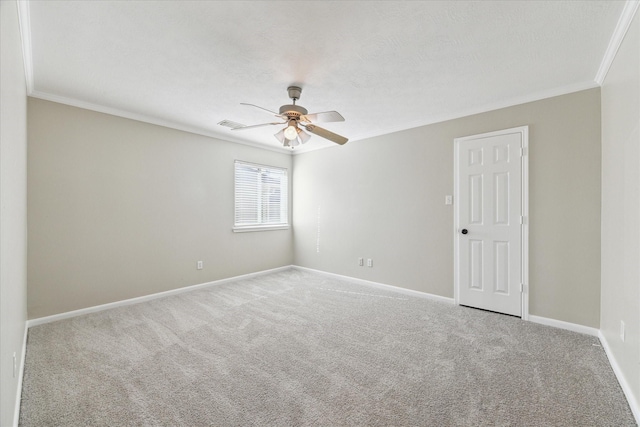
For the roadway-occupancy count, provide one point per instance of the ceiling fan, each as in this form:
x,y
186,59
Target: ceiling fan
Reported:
x,y
296,117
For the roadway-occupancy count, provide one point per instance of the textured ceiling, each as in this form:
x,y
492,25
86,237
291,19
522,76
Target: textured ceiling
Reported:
x,y
385,66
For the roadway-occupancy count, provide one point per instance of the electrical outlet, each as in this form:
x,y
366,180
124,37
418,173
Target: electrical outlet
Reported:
x,y
360,262
369,262
622,330
199,265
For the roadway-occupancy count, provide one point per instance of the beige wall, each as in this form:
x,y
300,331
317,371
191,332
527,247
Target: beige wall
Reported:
x,y
621,208
120,209
383,198
13,205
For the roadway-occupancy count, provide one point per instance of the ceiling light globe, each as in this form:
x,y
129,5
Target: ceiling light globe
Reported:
x,y
290,133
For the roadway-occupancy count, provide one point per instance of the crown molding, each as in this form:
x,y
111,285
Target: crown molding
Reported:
x,y
24,19
429,121
149,119
628,12
485,108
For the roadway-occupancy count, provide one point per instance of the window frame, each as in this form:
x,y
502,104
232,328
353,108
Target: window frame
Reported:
x,y
261,226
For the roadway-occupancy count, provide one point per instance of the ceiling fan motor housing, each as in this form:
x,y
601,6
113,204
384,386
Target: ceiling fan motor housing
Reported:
x,y
293,110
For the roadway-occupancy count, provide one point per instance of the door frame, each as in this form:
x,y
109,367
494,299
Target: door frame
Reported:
x,y
524,203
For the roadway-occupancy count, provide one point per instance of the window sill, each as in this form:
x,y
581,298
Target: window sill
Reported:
x,y
246,229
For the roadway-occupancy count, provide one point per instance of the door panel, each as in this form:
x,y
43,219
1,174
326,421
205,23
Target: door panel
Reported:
x,y
501,271
475,264
501,186
490,208
475,199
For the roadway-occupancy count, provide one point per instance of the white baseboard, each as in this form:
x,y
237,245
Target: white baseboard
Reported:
x,y
16,411
137,300
622,380
564,325
378,285
536,319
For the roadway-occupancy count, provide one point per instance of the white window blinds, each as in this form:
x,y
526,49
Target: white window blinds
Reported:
x,y
261,196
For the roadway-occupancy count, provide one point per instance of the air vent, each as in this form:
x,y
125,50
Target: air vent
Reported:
x,y
230,124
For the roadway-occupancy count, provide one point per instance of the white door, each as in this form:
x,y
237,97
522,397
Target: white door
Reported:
x,y
490,220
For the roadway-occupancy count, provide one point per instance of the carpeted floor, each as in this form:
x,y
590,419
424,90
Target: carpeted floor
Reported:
x,y
299,349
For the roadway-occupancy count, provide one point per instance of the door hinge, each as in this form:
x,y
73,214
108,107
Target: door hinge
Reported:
x,y
521,287
523,219
523,151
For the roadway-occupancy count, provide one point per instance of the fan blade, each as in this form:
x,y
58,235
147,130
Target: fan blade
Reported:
x,y
261,108
334,137
260,125
327,116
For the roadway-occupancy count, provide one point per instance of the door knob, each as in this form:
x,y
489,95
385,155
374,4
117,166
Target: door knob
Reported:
x,y
464,231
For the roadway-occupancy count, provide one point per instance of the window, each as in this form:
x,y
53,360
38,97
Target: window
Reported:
x,y
261,197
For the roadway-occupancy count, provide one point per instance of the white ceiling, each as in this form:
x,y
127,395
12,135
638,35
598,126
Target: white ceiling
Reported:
x,y
384,65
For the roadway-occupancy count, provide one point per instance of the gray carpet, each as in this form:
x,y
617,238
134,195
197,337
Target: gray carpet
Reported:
x,y
299,349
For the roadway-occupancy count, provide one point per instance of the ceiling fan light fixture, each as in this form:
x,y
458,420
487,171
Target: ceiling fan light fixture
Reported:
x,y
291,131
300,138
303,136
280,137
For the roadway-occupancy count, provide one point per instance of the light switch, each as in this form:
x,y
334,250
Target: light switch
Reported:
x,y
448,200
